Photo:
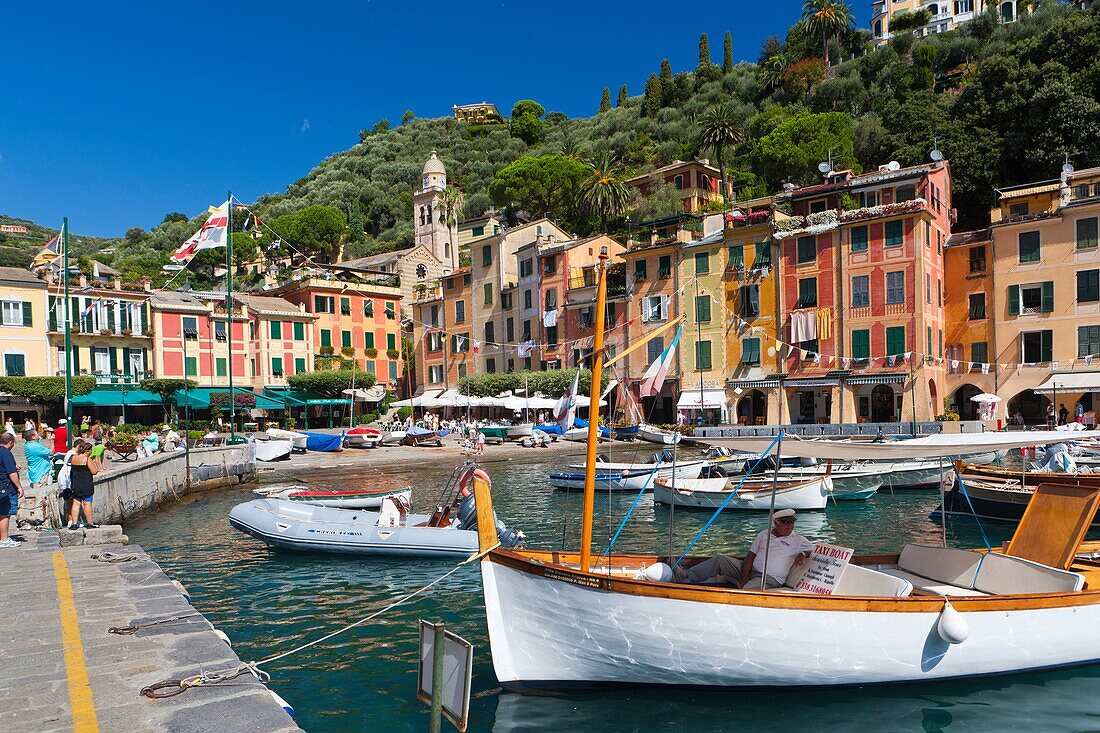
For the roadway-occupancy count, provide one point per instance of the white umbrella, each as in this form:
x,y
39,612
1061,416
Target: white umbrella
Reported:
x,y
985,397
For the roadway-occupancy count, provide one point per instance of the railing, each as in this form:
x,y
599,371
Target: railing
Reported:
x,y
867,428
77,329
121,380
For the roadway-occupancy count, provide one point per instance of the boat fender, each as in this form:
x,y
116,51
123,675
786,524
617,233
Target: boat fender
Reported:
x,y
464,488
952,627
223,636
658,572
183,590
282,703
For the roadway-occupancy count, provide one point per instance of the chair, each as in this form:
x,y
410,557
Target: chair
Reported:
x,y
760,421
742,420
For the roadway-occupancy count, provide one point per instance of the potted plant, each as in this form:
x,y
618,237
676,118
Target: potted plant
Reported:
x,y
393,353
327,351
127,332
371,352
348,351
104,332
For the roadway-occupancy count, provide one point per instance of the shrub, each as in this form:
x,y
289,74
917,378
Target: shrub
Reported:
x,y
403,412
327,351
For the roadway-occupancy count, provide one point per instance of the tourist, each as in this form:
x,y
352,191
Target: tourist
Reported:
x,y
9,426
1050,415
150,441
82,486
171,439
28,424
10,489
38,457
85,423
785,550
61,437
1079,412
1063,414
97,431
480,442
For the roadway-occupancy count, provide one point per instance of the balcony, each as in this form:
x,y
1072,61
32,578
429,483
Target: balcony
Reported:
x,y
823,221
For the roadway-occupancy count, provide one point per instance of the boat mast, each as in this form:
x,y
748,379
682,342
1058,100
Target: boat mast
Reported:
x,y
593,418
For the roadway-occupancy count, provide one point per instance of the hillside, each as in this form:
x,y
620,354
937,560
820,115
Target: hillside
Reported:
x,y
17,249
1005,103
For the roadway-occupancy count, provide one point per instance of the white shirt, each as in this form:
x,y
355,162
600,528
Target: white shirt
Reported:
x,y
781,552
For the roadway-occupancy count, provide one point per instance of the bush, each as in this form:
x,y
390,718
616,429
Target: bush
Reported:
x,y
367,418
404,412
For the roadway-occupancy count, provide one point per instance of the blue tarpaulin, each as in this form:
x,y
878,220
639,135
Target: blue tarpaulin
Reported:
x,y
324,442
579,423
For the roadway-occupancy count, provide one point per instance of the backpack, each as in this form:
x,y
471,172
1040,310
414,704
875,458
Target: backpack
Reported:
x,y
64,477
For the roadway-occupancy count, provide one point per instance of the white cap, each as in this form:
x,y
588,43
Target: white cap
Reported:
x,y
62,421
784,513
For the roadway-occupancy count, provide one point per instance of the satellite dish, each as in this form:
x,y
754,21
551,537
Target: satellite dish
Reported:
x,y
824,166
893,165
936,155
1067,169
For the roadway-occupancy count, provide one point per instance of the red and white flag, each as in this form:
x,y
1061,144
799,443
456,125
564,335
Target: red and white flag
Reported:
x,y
654,378
565,409
214,233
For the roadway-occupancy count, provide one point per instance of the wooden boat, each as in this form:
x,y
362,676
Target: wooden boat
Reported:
x,y
516,432
297,439
499,432
925,613
344,498
652,434
625,476
1002,494
273,450
419,436
850,481
754,494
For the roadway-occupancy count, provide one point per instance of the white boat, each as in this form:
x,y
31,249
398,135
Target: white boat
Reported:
x,y
362,440
273,450
625,476
394,437
850,481
656,435
343,498
523,430
297,439
756,494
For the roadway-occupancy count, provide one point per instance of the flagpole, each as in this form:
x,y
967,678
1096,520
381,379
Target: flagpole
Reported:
x,y
68,335
229,310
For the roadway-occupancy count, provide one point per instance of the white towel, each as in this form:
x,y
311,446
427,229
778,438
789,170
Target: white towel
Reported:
x,y
550,318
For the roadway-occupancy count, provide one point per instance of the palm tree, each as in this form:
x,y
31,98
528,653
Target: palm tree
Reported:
x,y
719,129
827,17
604,194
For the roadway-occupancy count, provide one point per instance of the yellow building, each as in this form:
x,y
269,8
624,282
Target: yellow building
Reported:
x,y
704,355
947,15
1046,297
477,113
23,324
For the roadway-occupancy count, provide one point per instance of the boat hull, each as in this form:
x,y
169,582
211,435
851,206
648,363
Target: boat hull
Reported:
x,y
273,450
711,493
345,499
549,628
651,434
633,478
297,439
520,431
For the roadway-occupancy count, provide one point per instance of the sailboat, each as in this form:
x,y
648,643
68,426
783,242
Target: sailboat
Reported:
x,y
628,415
924,613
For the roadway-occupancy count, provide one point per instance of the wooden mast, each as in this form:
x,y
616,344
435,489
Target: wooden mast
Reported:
x,y
593,417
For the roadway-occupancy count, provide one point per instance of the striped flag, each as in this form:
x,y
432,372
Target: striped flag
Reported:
x,y
214,233
654,377
49,254
566,407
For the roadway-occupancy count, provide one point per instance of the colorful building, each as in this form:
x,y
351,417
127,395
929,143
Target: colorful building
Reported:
x,y
280,340
947,15
442,334
191,339
698,182
969,320
702,274
23,335
579,315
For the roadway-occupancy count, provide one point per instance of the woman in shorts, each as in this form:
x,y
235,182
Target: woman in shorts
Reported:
x,y
82,486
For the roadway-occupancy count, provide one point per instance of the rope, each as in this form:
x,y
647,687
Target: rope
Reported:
x,y
962,486
113,557
176,686
134,628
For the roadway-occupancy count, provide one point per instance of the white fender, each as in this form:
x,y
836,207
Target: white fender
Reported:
x,y
952,627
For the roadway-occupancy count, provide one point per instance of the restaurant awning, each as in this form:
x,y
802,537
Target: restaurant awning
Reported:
x,y
895,378
752,383
1071,382
692,399
115,397
812,382
299,398
199,399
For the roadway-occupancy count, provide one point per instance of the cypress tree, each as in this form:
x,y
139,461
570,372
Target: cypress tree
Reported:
x,y
622,96
727,54
651,103
666,89
704,51
605,100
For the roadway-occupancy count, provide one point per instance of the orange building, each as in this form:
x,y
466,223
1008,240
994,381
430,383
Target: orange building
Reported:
x,y
699,183
442,328
969,319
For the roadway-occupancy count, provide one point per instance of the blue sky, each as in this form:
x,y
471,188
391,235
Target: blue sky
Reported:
x,y
116,114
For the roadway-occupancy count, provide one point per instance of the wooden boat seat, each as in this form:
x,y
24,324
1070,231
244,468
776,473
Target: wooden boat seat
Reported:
x,y
949,572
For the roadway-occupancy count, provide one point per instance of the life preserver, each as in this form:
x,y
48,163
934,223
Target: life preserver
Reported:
x,y
463,491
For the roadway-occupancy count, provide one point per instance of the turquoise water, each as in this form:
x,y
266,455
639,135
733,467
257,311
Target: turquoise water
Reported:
x,y
365,680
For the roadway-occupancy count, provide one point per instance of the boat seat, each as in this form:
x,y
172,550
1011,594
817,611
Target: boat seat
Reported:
x,y
1006,575
923,585
857,580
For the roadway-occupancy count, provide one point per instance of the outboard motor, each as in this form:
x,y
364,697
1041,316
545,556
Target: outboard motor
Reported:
x,y
467,519
764,465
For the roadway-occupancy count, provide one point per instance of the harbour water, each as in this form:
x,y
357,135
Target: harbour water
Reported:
x,y
365,679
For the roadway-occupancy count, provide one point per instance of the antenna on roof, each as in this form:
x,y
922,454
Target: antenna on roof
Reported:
x,y
826,166
1068,167
936,155
893,165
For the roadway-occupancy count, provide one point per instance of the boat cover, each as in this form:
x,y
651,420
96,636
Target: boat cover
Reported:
x,y
324,442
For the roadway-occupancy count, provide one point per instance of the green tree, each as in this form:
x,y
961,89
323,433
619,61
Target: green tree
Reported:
x,y
407,117
826,18
910,20
792,151
527,123
604,195
727,54
167,390
622,96
318,231
668,89
720,130
704,51
605,100
651,102
541,185
331,382
381,126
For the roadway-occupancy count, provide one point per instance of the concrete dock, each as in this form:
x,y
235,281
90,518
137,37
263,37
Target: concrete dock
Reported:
x,y
61,670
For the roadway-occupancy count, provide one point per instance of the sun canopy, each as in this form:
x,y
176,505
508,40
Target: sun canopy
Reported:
x,y
930,446
1070,383
114,397
690,399
199,399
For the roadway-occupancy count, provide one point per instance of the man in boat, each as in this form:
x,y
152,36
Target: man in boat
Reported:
x,y
783,550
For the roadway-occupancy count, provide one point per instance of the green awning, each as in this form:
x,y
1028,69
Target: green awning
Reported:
x,y
199,399
299,398
114,397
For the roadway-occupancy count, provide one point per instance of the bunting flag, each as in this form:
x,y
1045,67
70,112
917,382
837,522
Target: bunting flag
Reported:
x,y
477,346
654,378
985,369
566,407
49,254
252,222
214,233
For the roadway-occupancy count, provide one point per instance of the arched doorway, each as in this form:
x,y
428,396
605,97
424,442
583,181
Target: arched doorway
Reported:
x,y
1008,12
934,399
967,408
883,404
1028,406
752,408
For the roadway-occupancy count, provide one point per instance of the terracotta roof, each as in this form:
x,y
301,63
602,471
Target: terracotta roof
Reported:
x,y
964,238
268,304
19,276
171,299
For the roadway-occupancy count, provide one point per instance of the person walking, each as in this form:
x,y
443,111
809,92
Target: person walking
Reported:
x,y
480,442
28,424
61,437
11,491
9,426
82,485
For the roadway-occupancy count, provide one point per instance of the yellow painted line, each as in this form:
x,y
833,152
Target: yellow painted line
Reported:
x,y
80,689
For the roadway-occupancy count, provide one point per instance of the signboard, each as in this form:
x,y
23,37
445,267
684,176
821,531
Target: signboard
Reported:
x,y
458,668
827,562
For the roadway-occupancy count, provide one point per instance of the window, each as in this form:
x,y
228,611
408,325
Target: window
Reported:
x,y
737,256
509,330
929,341
654,347
807,293
368,307
460,343
550,265
979,352
434,316
345,306
702,309
326,337
861,291
894,233
1036,346
895,340
905,193
393,371
551,299
679,182
702,355
763,254
460,311
940,353
324,304
435,341
859,239
639,269
1029,247
299,366
527,299
807,250
702,263
609,315
16,313
391,310
654,308
868,198
1018,209
219,331
526,267
1088,286
191,366
928,288
221,368
585,316
750,351
490,332
190,328
15,365
276,329
435,373
276,367
810,347
861,344
506,301
345,339
939,292
895,287
1031,299
299,332
977,306
977,258
748,301
487,292
552,335
664,266
491,366
368,340
477,231
1088,341
1086,233
487,256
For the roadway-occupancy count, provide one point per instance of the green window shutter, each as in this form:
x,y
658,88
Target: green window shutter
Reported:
x,y
326,337
52,317
1048,296
1086,233
369,339
276,329
276,366
861,344
859,239
299,366
112,356
221,367
702,355
345,338
126,352
1013,300
895,340
1082,341
299,332
1029,247
702,263
763,254
702,309
1046,340
737,256
191,366
391,341
895,233
27,319
110,317
124,317
750,351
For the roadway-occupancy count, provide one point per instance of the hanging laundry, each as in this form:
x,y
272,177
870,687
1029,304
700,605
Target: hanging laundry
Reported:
x,y
550,318
824,318
803,326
